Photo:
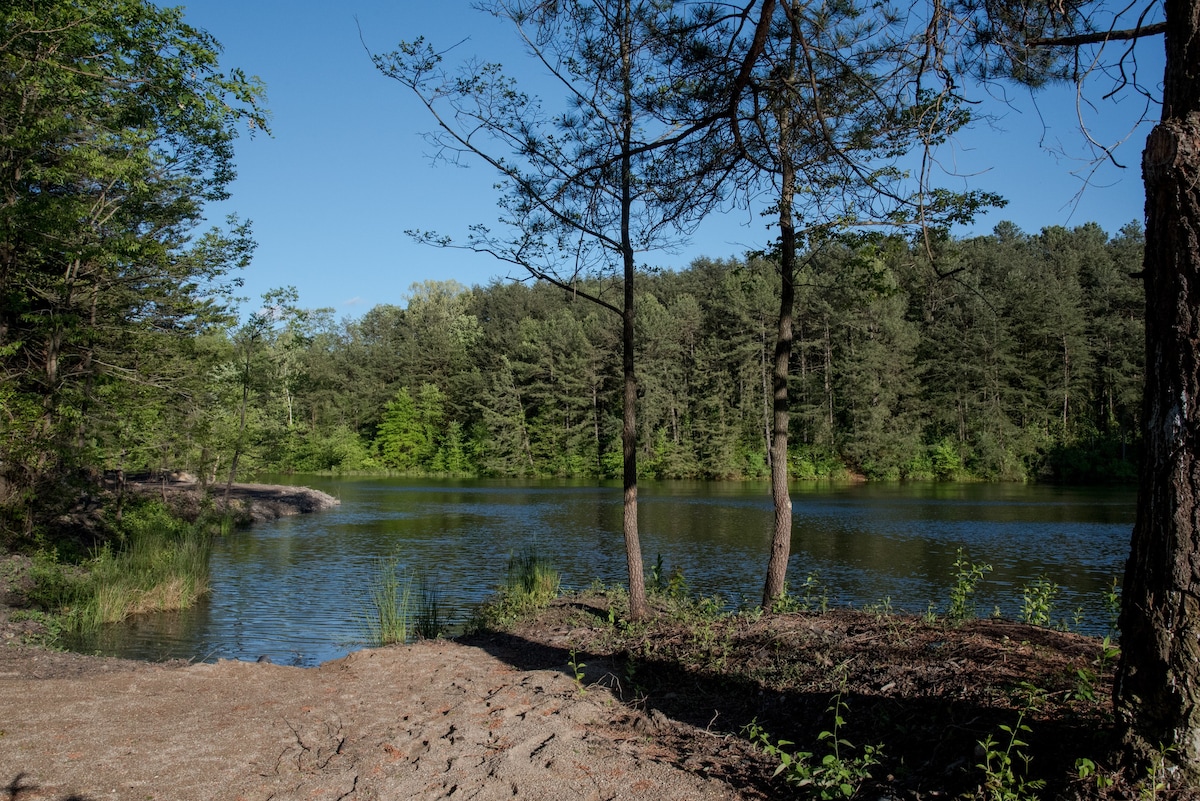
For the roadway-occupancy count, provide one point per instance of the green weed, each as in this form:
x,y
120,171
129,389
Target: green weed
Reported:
x,y
671,585
531,579
577,669
429,622
51,625
1155,782
530,583
389,616
1112,603
837,775
881,609
1085,686
813,597
1037,601
967,576
1108,653
1087,769
154,562
1005,764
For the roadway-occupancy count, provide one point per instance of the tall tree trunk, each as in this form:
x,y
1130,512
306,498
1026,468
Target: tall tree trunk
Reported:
x,y
633,547
1157,692
781,539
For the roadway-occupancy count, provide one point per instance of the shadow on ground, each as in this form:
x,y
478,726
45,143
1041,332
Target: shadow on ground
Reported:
x,y
930,696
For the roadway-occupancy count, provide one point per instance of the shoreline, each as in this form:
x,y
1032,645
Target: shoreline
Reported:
x,y
248,502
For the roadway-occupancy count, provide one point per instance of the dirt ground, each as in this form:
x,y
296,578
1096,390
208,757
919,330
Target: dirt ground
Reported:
x,y
433,720
657,711
488,718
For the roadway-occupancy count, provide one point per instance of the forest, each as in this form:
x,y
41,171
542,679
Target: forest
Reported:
x,y
911,354
865,341
1026,365
124,346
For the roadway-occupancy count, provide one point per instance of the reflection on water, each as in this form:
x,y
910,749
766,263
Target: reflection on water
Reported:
x,y
296,589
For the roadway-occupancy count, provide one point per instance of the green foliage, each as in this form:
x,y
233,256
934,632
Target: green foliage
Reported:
x,y
837,774
813,597
918,381
530,583
532,578
944,460
1109,652
1112,605
672,586
118,128
1087,769
154,562
51,627
121,351
429,623
389,616
402,438
1037,601
577,671
1157,778
1005,764
967,576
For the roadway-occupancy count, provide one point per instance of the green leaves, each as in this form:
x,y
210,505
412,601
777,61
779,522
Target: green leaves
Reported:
x,y
838,775
116,126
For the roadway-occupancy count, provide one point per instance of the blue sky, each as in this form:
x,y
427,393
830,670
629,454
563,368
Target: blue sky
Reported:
x,y
346,171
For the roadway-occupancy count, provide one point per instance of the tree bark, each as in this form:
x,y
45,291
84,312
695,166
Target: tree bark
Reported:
x,y
633,547
781,539
1157,692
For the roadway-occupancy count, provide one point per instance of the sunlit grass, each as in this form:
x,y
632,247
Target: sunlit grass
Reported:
x,y
531,582
531,579
155,563
389,615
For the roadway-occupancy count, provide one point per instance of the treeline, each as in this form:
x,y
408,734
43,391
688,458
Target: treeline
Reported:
x,y
1013,356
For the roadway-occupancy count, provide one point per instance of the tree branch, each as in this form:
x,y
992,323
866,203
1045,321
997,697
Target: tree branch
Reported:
x,y
1100,37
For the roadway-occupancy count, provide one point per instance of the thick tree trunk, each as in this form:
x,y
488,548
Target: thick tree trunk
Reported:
x,y
1157,693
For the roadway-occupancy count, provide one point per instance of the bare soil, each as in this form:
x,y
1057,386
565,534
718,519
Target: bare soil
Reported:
x,y
657,711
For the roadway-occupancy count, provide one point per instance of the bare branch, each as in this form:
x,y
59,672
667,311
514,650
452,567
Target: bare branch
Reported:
x,y
1100,37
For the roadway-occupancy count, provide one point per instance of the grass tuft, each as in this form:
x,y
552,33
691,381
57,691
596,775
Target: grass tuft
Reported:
x,y
389,616
154,562
531,582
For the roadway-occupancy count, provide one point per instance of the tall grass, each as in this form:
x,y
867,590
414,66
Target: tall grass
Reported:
x,y
154,562
397,612
530,583
389,616
429,621
531,579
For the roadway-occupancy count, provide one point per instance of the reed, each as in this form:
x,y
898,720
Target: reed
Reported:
x,y
531,579
389,615
154,563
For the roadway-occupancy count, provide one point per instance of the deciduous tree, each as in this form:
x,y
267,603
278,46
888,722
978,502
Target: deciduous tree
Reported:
x,y
116,125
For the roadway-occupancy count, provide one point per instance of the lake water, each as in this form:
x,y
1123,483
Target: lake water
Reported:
x,y
296,589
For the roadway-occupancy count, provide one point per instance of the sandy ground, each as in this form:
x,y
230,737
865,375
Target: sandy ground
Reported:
x,y
491,718
433,720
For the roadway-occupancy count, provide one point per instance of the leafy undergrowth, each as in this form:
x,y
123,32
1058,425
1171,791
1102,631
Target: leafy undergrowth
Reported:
x,y
853,704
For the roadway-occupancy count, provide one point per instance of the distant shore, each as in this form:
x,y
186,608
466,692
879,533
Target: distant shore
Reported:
x,y
249,503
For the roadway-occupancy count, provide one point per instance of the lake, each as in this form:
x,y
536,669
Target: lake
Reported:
x,y
296,589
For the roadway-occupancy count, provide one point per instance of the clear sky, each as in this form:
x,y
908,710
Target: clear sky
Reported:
x,y
346,171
